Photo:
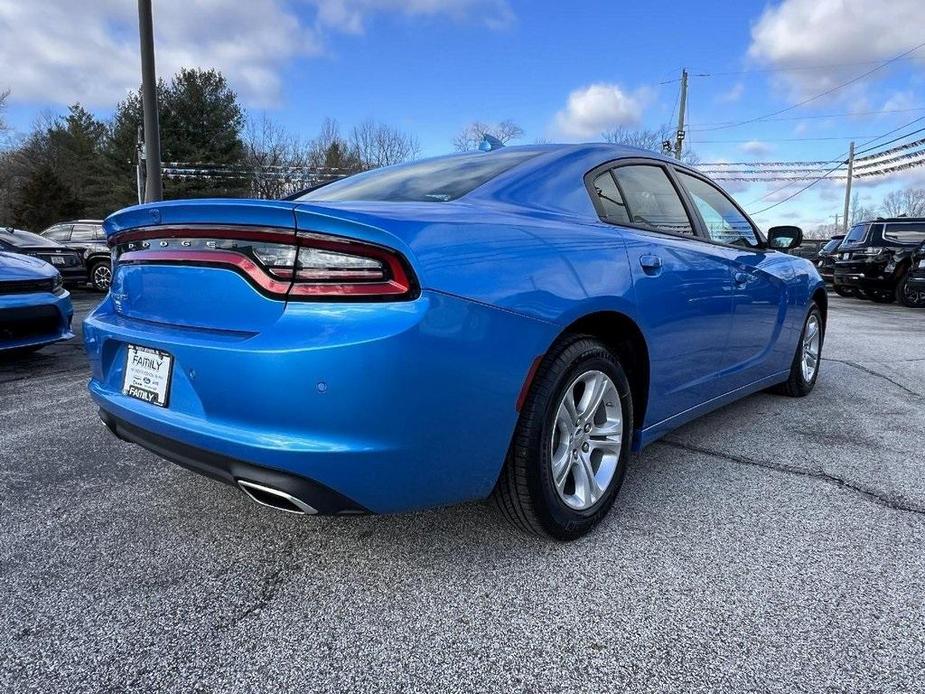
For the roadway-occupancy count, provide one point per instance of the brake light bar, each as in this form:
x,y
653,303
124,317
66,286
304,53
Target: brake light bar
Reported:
x,y
277,262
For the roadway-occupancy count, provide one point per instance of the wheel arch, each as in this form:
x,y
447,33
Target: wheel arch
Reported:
x,y
623,336
821,297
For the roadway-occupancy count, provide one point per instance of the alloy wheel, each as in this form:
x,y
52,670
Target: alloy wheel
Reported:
x,y
102,276
587,439
811,341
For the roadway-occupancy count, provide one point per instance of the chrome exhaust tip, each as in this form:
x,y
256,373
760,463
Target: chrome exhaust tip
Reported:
x,y
274,498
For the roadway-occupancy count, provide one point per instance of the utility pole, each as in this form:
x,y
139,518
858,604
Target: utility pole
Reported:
x,y
836,222
848,186
679,136
153,185
140,164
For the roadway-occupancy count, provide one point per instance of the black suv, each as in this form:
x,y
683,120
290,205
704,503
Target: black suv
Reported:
x,y
875,257
914,286
825,258
63,259
87,238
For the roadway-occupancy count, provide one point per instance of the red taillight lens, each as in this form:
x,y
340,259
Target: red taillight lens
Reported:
x,y
302,266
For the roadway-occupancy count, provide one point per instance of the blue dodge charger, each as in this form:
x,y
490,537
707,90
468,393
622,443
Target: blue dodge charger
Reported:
x,y
508,323
35,309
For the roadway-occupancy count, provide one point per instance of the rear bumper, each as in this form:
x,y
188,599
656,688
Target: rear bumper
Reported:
x,y
29,320
391,407
865,275
230,471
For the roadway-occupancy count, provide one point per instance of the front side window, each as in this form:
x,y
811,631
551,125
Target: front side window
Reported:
x,y
58,233
651,199
856,234
83,232
831,245
724,222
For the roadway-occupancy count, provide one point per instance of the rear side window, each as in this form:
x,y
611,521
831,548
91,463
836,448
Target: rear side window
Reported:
x,y
724,222
906,232
612,204
651,199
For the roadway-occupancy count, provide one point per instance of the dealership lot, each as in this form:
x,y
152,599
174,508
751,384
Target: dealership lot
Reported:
x,y
776,544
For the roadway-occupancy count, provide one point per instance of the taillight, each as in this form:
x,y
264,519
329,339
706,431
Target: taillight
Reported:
x,y
303,266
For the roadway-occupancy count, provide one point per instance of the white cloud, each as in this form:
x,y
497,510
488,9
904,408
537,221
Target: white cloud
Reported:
x,y
800,33
733,94
756,148
598,107
61,51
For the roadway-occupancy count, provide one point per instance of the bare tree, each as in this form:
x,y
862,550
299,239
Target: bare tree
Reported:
x,y
331,153
909,202
472,135
645,138
377,144
274,158
858,212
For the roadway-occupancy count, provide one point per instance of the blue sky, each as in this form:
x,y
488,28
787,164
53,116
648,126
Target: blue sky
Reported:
x,y
564,71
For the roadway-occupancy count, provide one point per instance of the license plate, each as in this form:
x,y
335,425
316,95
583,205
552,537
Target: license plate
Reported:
x,y
845,256
147,375
57,260
922,264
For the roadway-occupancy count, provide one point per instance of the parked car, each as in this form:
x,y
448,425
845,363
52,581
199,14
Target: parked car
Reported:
x,y
913,290
509,322
35,309
64,260
86,236
875,257
808,249
825,258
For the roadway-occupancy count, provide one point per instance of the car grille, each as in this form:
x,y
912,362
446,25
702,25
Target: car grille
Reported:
x,y
70,259
27,286
34,321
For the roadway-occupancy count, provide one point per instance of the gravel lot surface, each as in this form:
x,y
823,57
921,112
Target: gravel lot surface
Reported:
x,y
775,545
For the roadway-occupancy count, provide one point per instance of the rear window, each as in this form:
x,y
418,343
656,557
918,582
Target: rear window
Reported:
x,y
431,180
22,239
907,232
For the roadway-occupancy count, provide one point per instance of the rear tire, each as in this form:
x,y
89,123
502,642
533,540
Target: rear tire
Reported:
x,y
843,291
860,293
101,275
567,461
800,383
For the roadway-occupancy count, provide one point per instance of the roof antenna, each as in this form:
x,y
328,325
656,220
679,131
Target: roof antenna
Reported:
x,y
490,143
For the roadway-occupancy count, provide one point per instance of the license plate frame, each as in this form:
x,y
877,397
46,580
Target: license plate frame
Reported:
x,y
58,260
148,374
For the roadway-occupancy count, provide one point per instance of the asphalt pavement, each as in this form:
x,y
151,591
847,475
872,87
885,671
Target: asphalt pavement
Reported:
x,y
776,545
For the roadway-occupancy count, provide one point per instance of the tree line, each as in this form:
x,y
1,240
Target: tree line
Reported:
x,y
77,165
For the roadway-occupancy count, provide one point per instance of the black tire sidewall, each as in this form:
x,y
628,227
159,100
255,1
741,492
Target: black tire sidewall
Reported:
x,y
559,520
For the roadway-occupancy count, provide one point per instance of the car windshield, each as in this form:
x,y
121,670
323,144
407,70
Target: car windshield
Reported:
x,y
856,234
831,245
432,180
23,239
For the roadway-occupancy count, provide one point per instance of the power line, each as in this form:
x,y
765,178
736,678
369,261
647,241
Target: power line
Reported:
x,y
804,188
796,68
782,139
821,94
819,115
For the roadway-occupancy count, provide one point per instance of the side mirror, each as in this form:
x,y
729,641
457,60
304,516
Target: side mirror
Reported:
x,y
785,238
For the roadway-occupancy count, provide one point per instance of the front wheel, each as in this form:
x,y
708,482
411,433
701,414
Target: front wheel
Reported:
x,y
570,448
843,291
804,369
913,298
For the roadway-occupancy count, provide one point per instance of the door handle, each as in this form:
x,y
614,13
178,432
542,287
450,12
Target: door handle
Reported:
x,y
741,278
651,264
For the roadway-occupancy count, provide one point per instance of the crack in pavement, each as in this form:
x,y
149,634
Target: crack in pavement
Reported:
x,y
876,496
269,587
875,373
